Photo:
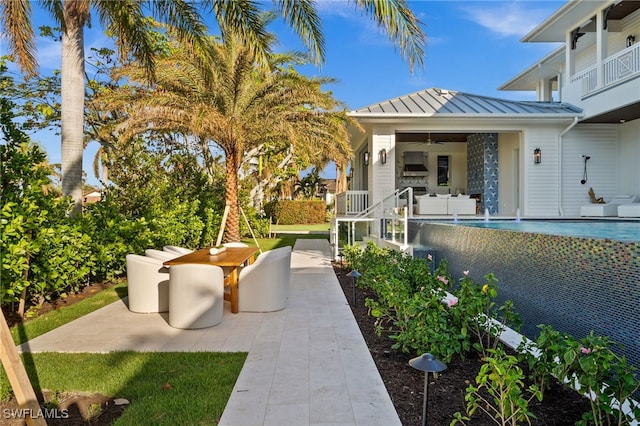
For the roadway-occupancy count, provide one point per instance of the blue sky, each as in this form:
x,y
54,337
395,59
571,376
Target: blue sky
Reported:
x,y
472,46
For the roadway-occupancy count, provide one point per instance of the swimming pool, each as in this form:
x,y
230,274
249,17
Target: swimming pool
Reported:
x,y
613,230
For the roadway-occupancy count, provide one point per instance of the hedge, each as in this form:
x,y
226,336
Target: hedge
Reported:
x,y
293,212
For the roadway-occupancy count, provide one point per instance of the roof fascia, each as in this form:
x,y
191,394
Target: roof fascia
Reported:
x,y
581,9
534,70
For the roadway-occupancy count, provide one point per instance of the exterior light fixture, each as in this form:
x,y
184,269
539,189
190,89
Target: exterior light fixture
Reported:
x,y
537,156
355,274
429,364
383,156
366,158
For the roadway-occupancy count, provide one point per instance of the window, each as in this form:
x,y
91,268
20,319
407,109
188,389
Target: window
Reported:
x,y
443,170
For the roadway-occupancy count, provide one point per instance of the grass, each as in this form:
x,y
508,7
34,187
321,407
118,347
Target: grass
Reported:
x,y
165,388
301,228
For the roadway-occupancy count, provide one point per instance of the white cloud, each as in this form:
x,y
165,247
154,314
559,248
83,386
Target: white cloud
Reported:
x,y
508,18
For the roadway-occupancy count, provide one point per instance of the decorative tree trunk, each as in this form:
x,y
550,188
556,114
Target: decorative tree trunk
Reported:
x,y
72,93
232,227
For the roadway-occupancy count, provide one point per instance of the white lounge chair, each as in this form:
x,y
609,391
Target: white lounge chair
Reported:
x,y
160,254
196,296
607,209
176,249
264,285
148,284
629,210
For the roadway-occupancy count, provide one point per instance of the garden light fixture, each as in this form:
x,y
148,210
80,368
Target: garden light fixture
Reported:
x,y
366,158
429,364
355,274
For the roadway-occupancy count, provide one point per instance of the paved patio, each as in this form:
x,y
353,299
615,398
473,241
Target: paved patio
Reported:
x,y
306,365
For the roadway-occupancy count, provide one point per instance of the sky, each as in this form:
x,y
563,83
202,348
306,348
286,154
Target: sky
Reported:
x,y
472,46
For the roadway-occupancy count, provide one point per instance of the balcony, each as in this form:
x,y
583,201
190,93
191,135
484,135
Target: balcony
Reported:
x,y
616,69
352,202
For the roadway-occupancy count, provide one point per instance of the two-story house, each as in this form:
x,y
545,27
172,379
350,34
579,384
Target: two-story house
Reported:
x,y
533,158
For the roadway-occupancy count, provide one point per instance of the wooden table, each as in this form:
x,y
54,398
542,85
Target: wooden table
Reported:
x,y
232,257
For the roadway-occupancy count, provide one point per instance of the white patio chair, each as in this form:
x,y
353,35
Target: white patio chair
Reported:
x,y
160,254
264,285
148,284
176,249
196,296
235,244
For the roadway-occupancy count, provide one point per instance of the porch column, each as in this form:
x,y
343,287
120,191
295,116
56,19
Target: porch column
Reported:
x,y
382,178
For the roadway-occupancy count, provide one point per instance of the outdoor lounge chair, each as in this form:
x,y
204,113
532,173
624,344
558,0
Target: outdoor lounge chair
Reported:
x,y
606,209
160,254
196,296
176,249
264,285
629,210
148,284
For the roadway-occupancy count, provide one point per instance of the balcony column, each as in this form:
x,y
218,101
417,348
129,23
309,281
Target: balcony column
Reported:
x,y
601,46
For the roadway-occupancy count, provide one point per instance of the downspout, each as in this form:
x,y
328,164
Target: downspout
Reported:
x,y
564,132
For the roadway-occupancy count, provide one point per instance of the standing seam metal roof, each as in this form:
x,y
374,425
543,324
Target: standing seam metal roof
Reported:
x,y
436,101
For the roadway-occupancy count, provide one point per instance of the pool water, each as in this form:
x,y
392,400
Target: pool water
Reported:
x,y
613,230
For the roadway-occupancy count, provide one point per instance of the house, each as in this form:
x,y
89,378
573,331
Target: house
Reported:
x,y
530,158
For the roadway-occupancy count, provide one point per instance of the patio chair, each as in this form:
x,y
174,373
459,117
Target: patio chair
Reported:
x,y
148,284
264,285
196,296
160,254
176,249
235,244
609,208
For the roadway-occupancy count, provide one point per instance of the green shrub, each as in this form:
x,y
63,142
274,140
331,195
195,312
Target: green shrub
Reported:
x,y
293,212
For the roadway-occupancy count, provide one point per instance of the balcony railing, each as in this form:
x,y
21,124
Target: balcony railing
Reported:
x,y
352,202
616,68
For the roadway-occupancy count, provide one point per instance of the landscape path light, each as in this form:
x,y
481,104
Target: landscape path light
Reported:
x,y
355,274
429,364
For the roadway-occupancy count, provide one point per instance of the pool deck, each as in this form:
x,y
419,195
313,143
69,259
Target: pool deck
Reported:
x,y
306,365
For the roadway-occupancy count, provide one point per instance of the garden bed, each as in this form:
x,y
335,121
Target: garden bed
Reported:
x,y
560,406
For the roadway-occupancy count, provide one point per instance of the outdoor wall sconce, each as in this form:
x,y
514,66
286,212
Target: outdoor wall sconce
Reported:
x,y
630,40
429,364
537,156
383,156
366,158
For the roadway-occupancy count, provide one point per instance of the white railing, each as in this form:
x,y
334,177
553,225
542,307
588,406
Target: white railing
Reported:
x,y
622,65
616,68
352,202
396,225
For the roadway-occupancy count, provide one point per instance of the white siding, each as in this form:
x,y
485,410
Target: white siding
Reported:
x,y
382,179
629,158
598,141
541,180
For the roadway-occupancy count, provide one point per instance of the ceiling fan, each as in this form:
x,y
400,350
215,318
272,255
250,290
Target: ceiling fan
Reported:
x,y
430,142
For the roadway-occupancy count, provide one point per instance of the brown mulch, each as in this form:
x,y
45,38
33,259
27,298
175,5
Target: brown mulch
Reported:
x,y
446,393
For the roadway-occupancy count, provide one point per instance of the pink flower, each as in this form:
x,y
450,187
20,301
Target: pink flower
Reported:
x,y
466,272
452,302
443,279
585,351
430,257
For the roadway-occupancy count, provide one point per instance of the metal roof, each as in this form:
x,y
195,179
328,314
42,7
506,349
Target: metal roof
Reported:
x,y
449,103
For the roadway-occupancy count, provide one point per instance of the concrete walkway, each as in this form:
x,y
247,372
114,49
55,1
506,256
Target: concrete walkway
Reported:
x,y
307,364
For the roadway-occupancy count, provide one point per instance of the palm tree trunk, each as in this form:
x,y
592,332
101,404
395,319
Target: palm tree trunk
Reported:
x,y
72,93
232,227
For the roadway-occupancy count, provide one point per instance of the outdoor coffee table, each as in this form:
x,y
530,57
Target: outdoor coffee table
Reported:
x,y
231,257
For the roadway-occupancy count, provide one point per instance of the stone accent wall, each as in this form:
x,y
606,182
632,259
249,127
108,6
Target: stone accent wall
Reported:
x,y
482,169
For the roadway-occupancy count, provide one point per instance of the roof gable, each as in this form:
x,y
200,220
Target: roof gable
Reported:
x,y
449,103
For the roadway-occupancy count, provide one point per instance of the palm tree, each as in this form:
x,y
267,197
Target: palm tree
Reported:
x,y
125,20
230,102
